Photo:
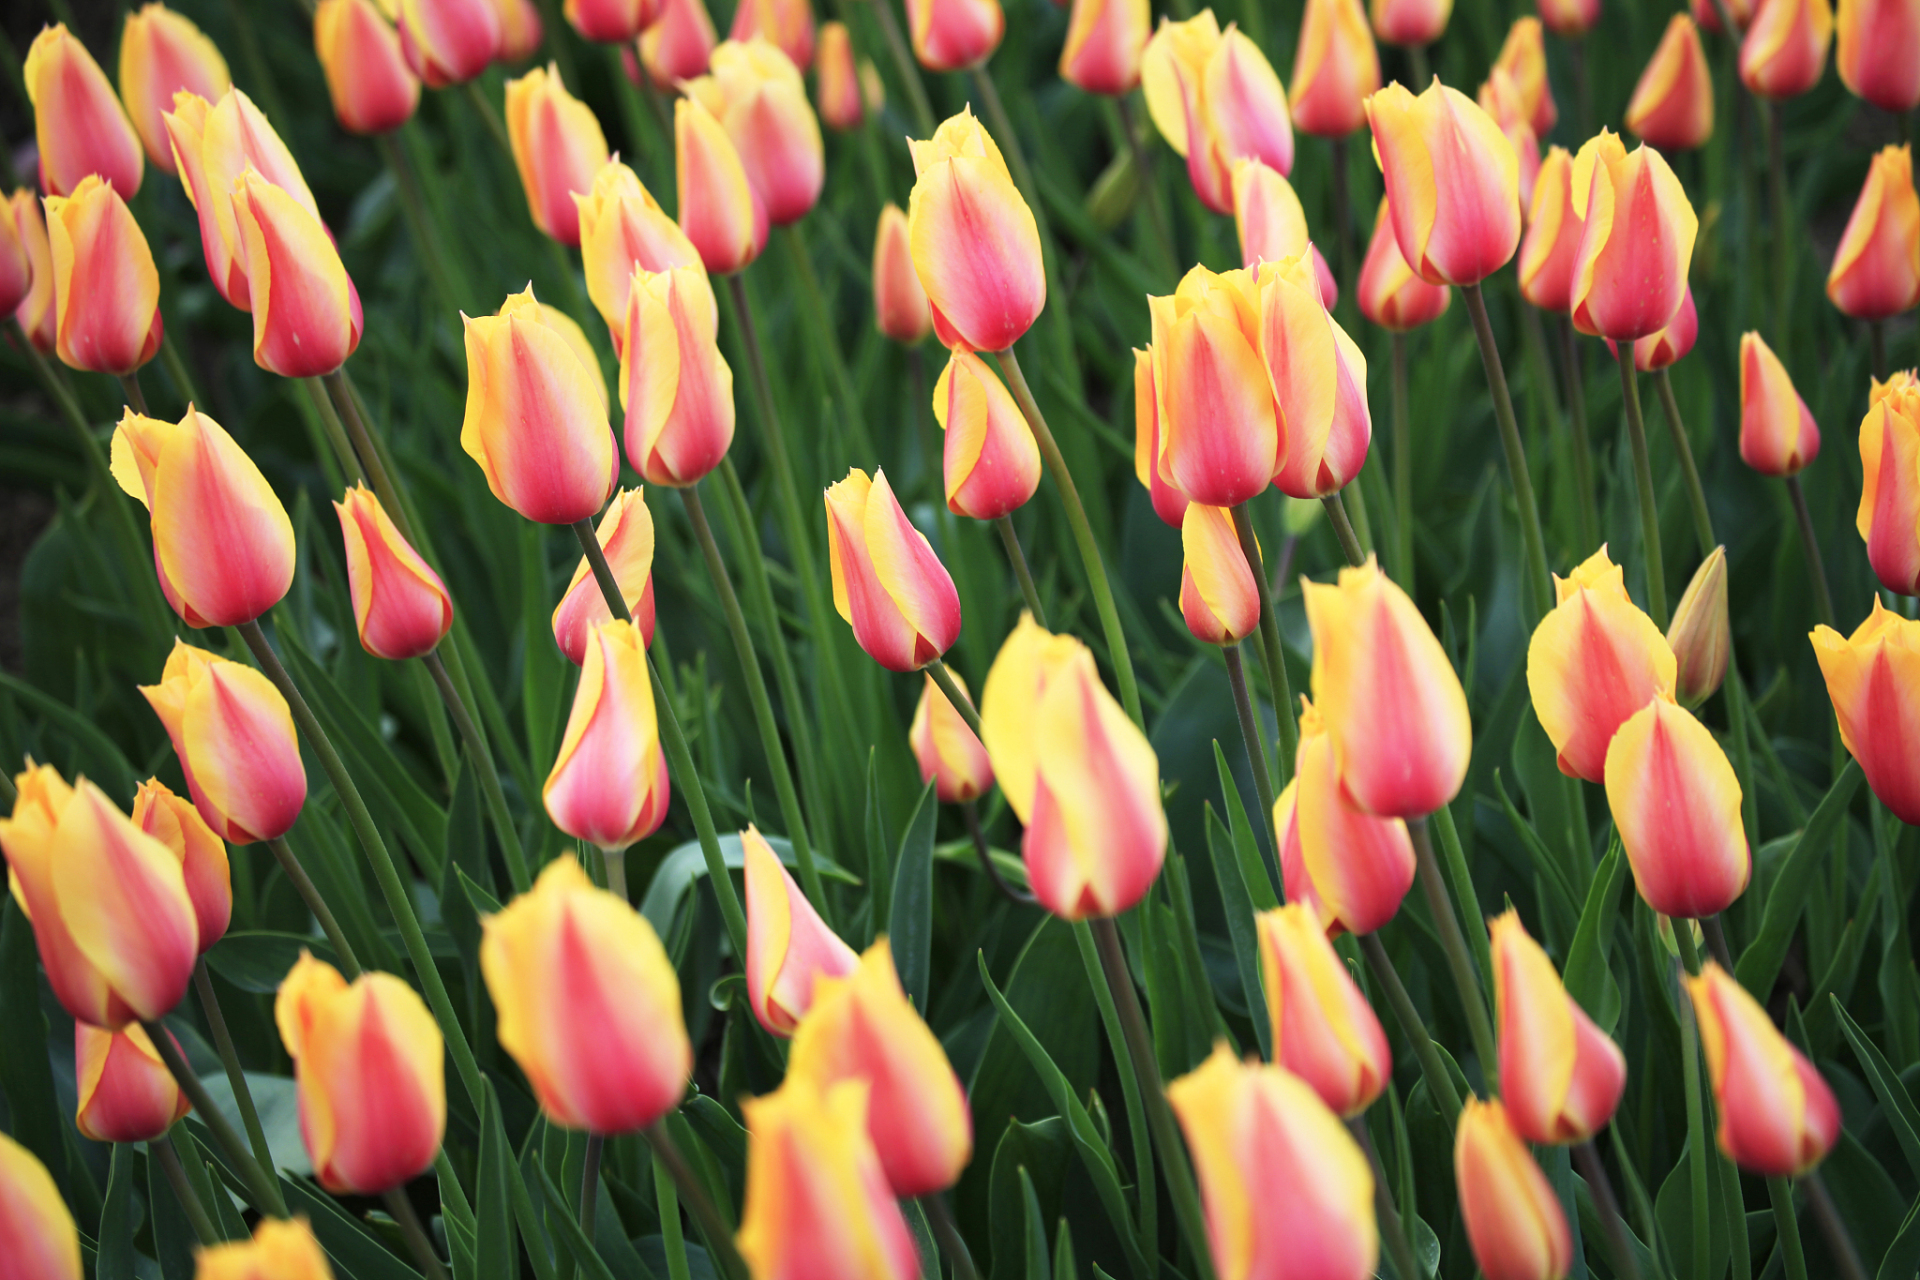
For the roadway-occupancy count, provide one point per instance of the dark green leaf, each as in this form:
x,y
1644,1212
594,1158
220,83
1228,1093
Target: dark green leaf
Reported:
x,y
1039,1266
1255,874
879,850
1026,1152
258,961
355,1251
1589,978
1895,1104
567,1231
117,1219
1902,1259
1240,927
910,920
1759,964
25,1073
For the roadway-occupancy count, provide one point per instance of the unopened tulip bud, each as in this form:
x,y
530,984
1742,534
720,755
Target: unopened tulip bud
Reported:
x,y
609,784
1700,634
281,1249
1778,436
1514,1221
610,21
1876,269
991,462
1778,1118
1676,804
126,1092
1336,68
1706,15
1889,516
786,24
557,147
373,89
234,736
1319,379
676,388
946,748
1637,244
521,30
1410,23
1216,99
449,41
720,211
108,903
900,308
1873,681
1219,594
1500,98
400,607
1441,151
37,310
1168,502
952,35
1524,58
1355,868
163,53
306,312
16,271
1105,39
1659,349
1280,1176
789,947
1785,50
1875,55
678,44
1560,1075
175,823
1082,778
1272,225
1556,224
626,539
622,227
80,127
35,1224
106,291
1569,19
888,584
976,246
1672,105
1324,1031
756,93
589,1004
1221,440
1389,293
837,81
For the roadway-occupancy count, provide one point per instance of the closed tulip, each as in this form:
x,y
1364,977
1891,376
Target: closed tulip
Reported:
x,y
222,542
588,1002
950,35
1081,777
887,583
1873,680
1324,1031
449,41
900,308
36,310
400,607
281,1249
720,211
1556,224
1389,293
787,24
1778,436
79,125
521,30
1659,349
991,462
946,748
1393,706
1524,58
1500,98
108,903
1168,502
1785,50
756,93
36,1228
1221,435
675,386
1637,244
610,21
622,227
626,539
1560,1076
1875,54
837,80
106,291
1778,1118
817,1200
789,947
1706,13
1441,151
1319,380
306,312
1672,104
1569,19
1876,269
162,53
1105,39
1410,23
126,1092
373,89
1273,226
1514,1220
557,147
1700,634
976,247
175,823
234,736
1355,868
609,783
1287,1191
678,44
1889,516
1335,69
1216,100
1676,804
1219,595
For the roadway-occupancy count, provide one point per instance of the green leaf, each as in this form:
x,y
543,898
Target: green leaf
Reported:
x,y
278,1103
879,851
910,919
173,1238
1544,862
567,1229
108,767
1865,1196
1255,875
1024,1151
115,1258
355,1251
686,864
1760,963
1895,1103
482,901
1241,927
1674,1209
25,1072
1039,1266
543,669
1589,978
1902,1259
258,961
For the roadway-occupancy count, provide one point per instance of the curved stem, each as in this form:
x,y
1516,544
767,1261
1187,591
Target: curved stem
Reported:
x,y
230,1059
1787,1227
1586,500
177,370
1250,734
418,1242
1417,64
490,116
1839,1239
948,686
1276,659
1625,1265
699,1204
1393,1231
1019,897
1643,485
309,892
905,66
1696,495
947,1232
1539,586
262,1191
1343,529
1816,567
136,398
1459,959
483,771
160,1150
1146,1185
1010,539
1439,1080
1402,468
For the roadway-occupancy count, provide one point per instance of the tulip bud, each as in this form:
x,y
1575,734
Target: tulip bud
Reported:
x,y
1637,244
786,24
952,35
676,388
1874,58
1514,1221
306,312
1500,98
281,1249
161,53
609,784
887,582
1700,634
1389,293
1676,805
557,147
626,539
1324,1031
1889,516
976,247
1778,435
946,748
1873,681
1560,1076
1556,224
1105,40
817,1199
1335,69
79,125
1659,349
900,307
622,227
837,81
108,903
756,93
1280,1176
789,947
1168,502
1216,100
175,823
1081,777
373,89
1785,50
1778,1118
1706,15
1672,104
1353,867
35,1224
449,41
678,44
589,1004
37,310
370,1064
1441,151
400,606
1221,441
1319,380
991,461
234,736
610,21
106,291
1394,709
521,30
1272,225
722,214
1876,269
1219,595
126,1092
1524,58
1569,19
1410,23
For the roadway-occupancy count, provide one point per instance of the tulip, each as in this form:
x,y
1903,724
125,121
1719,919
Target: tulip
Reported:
x,y
946,748
370,1064
162,53
108,902
281,1249
1778,435
1700,634
36,1228
1500,98
1876,269
521,30
951,35
1659,349
1556,223
589,1004
678,44
1389,293
611,21
1524,58
626,539
720,211
976,247
1676,805
557,147
1875,54
1785,50
1105,40
887,582
536,418
400,607
1672,104
16,268
1637,244
1441,151
622,226
106,291
837,81
306,312
373,89
1219,594
1287,1190
1319,379
1081,777
609,784
1889,516
1353,867
1706,14
1560,1076
676,388
817,1200
756,93
1335,69
1569,19
1168,502
80,127
1324,1031
1394,709
1272,225
790,949
786,24
1410,23
126,1092
992,464
449,41
1778,1118
1221,437
1872,678
234,736
1514,1221
175,823
900,307
38,312
1216,100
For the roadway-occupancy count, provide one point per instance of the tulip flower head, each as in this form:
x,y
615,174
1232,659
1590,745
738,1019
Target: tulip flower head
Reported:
x,y
609,785
946,748
1216,100
234,736
1336,68
1676,804
678,44
521,30
611,21
1168,502
1514,1220
1876,269
1672,104
557,147
1500,98
373,89
1524,58
1700,633
1706,15
622,227
837,80
306,312
370,1065
1287,1191
626,539
1560,1076
35,308
1105,41
976,247
36,1227
952,35
1873,680
106,291
162,53
1874,54
79,125
887,583
449,41
786,24
281,1249
1556,224
1784,51
175,823
16,269
991,462
721,211
1324,1031
1354,867
1778,1118
1410,23
1637,243
1319,379
1389,293
756,93
126,1092
1272,225
1778,436
1219,594
675,386
1569,19
1659,349
900,308
400,607
1221,434
1889,516
789,947
1453,182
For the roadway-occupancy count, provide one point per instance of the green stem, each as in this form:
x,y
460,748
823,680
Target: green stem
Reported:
x,y
1839,1239
418,1243
1586,499
1643,485
262,1191
1145,1184
433,253
1010,539
947,1232
944,678
160,1150
1343,529
1689,471
1696,1109
1278,687
1459,960
310,894
672,1238
490,116
1539,585
1625,1265
130,389
590,1182
177,370
1019,897
230,1059
826,343
1787,1227
699,1204
1393,1231
1877,347
1156,211
1402,468
1417,63
1440,1084
904,65
1816,567
1250,734
484,771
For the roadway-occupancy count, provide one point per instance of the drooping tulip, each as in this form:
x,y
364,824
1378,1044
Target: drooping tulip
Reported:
x,y
1873,680
1875,53
951,35
610,21
557,147
106,291
126,1092
1637,244
37,310
900,308
1410,23
589,1003
1079,774
1785,50
1355,868
175,823
888,584
1389,293
1514,1221
79,125
1700,633
373,89
400,606
1221,437
1778,435
1778,1118
720,211
281,1249
1273,226
990,460
1556,224
449,41
609,783
622,227
787,24
162,53
1219,595
1876,269
1335,69
789,947
370,1065
1672,103
36,1227
1453,182
949,753
756,93
626,539
1560,1076
1319,379
1676,804
1659,349
1168,502
976,246
837,80
675,386
1105,40
1215,99
306,312
1888,519
678,44
1324,1031
1569,19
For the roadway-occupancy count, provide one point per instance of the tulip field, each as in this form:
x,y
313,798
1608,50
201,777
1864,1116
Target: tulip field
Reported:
x,y
994,639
